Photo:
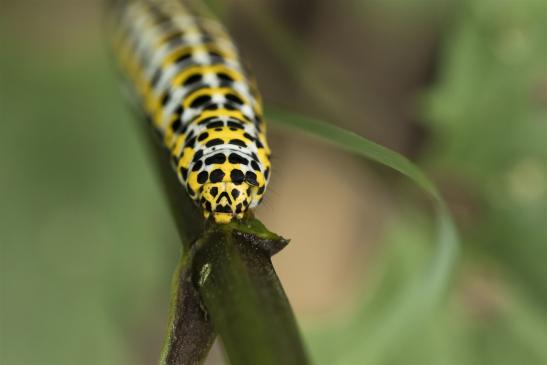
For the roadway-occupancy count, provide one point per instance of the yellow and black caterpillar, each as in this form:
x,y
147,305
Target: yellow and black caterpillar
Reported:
x,y
189,79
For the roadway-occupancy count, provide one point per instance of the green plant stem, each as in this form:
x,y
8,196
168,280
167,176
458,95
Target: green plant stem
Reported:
x,y
244,298
190,334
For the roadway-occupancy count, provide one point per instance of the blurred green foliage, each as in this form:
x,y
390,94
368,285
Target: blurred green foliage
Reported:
x,y
488,116
72,182
487,113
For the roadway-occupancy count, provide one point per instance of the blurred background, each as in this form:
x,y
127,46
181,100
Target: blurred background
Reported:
x,y
88,246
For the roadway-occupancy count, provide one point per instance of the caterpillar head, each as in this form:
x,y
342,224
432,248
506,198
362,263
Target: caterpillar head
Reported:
x,y
224,200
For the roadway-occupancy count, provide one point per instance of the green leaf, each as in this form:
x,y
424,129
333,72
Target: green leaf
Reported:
x,y
416,303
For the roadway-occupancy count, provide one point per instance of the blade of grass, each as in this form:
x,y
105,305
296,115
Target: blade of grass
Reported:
x,y
421,297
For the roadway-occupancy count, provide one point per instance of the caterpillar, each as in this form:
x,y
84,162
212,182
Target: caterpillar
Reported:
x,y
188,77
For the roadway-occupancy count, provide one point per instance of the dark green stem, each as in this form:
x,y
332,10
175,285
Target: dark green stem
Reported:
x,y
243,296
190,333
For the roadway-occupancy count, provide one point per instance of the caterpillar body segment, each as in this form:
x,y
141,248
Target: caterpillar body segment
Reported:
x,y
188,78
